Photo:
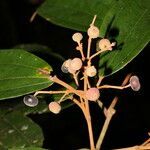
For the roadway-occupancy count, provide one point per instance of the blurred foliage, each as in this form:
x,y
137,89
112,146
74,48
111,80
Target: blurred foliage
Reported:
x,y
16,128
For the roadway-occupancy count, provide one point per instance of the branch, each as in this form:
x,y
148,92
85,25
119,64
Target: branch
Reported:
x,y
67,86
110,112
113,87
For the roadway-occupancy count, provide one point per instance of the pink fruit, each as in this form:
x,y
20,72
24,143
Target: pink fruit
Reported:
x,y
92,94
135,84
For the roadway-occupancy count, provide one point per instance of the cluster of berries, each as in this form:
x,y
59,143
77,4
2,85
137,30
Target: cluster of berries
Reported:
x,y
92,94
75,65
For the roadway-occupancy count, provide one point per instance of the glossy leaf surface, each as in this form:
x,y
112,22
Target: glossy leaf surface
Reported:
x,y
20,73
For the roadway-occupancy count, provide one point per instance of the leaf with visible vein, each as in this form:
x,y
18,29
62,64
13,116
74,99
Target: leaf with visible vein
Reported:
x,y
132,22
125,21
20,75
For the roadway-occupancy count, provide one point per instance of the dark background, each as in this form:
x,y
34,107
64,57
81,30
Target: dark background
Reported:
x,y
68,131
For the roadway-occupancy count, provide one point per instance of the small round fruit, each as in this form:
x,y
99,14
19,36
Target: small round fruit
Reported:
x,y
75,64
54,107
92,94
77,37
30,101
104,44
70,70
64,69
93,32
91,71
135,84
65,66
67,63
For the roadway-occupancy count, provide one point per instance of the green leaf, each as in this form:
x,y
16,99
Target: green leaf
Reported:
x,y
39,49
132,22
74,14
45,53
127,22
16,128
20,73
